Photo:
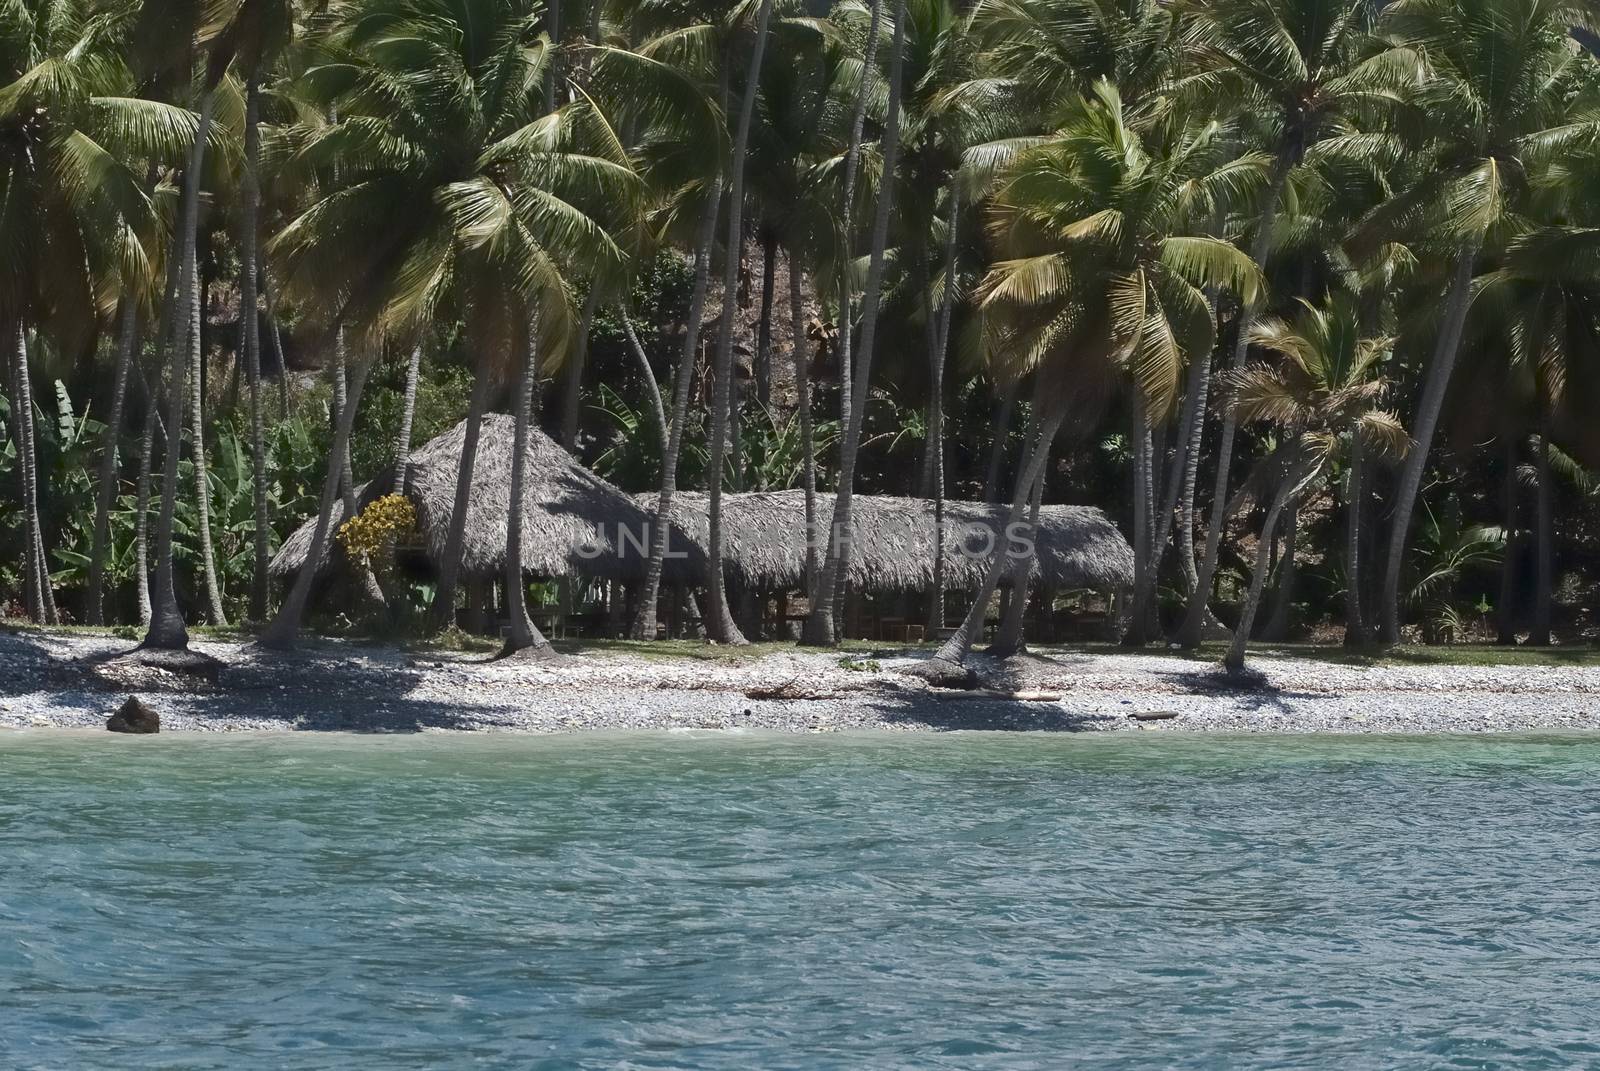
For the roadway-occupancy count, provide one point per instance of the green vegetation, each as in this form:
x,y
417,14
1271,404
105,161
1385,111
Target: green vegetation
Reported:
x,y
1304,293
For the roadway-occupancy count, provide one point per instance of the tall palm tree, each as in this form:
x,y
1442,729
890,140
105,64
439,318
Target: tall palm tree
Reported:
x,y
1105,268
1292,67
719,623
1322,396
1501,90
819,626
475,185
75,209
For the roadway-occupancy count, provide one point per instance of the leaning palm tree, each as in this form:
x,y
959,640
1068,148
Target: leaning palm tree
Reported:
x,y
1504,91
1104,274
1321,396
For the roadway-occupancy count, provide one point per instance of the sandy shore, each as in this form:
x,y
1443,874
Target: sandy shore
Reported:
x,y
59,680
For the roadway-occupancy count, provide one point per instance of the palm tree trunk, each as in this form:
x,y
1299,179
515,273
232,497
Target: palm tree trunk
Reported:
x,y
250,345
141,520
1355,625
936,422
444,600
341,391
1508,568
408,409
720,624
202,473
1010,641
959,645
852,166
769,271
1278,621
106,486
1193,628
648,375
997,449
572,381
285,628
644,625
1234,662
802,388
1545,559
1143,516
276,335
37,577
167,629
1429,407
1181,481
522,634
819,628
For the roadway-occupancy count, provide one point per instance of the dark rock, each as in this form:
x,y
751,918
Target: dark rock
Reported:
x,y
134,717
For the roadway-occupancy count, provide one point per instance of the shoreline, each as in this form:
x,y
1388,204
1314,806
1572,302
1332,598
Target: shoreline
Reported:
x,y
69,680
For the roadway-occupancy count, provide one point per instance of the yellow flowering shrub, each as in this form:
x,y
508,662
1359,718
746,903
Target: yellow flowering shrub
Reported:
x,y
372,534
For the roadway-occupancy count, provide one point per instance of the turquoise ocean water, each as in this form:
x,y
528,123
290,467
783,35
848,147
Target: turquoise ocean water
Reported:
x,y
755,902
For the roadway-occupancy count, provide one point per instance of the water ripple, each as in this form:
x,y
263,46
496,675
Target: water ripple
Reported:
x,y
961,901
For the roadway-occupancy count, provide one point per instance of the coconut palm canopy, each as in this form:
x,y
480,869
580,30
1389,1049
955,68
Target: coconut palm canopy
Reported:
x,y
1078,546
574,522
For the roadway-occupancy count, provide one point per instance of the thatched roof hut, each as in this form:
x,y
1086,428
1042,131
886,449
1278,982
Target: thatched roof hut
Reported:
x,y
765,541
575,523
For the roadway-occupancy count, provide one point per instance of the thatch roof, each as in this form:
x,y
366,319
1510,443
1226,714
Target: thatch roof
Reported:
x,y
574,522
765,541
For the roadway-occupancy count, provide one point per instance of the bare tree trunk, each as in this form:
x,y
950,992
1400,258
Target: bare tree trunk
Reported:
x,y
37,577
250,345
1355,625
959,645
1234,662
202,472
1138,622
408,410
808,438
1545,558
444,600
720,624
997,449
644,625
167,629
1508,568
1426,420
769,269
106,486
819,627
285,628
648,375
1011,640
936,421
852,166
1278,621
1193,628
572,381
141,537
522,635
276,336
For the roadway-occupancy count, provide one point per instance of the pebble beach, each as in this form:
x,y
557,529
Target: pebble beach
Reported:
x,y
55,680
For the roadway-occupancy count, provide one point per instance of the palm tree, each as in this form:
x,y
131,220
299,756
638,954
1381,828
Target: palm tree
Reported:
x,y
1500,90
1322,397
1291,66
1104,271
819,626
478,189
719,623
74,204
